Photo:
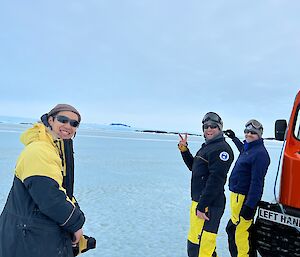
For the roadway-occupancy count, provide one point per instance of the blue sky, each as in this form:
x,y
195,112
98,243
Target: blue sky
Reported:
x,y
152,64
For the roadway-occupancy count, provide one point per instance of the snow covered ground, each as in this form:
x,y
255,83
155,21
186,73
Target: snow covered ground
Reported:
x,y
133,187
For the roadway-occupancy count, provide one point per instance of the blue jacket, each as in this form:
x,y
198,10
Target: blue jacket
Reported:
x,y
248,174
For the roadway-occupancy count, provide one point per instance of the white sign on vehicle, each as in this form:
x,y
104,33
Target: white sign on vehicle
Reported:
x,y
279,218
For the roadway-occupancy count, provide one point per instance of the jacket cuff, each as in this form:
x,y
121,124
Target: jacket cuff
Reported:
x,y
247,213
182,148
75,221
201,207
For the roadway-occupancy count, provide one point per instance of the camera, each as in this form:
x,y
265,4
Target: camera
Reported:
x,y
85,243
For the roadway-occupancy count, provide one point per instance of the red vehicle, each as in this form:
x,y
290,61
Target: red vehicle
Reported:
x,y
277,226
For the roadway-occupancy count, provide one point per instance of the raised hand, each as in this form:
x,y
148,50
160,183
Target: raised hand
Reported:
x,y
182,145
229,133
183,140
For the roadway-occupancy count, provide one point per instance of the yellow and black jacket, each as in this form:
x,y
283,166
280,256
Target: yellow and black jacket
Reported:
x,y
41,215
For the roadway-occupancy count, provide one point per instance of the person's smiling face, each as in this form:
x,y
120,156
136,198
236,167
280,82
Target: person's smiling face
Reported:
x,y
250,136
63,124
210,131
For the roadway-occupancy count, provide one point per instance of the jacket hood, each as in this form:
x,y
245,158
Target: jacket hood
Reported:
x,y
37,133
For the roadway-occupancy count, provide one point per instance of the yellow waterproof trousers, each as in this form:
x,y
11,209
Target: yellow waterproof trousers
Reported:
x,y
238,229
202,234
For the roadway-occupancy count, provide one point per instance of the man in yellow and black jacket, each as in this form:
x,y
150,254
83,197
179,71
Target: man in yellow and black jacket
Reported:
x,y
41,216
209,172
246,184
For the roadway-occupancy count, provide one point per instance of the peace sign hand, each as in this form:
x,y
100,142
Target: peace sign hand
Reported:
x,y
182,145
183,140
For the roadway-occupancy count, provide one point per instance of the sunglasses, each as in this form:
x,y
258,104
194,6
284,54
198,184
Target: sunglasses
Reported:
x,y
65,119
206,126
246,131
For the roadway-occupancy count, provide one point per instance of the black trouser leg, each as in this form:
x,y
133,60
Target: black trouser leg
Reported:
x,y
252,251
230,229
192,249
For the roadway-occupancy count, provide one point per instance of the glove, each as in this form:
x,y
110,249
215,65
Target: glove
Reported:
x,y
86,243
182,148
229,133
247,213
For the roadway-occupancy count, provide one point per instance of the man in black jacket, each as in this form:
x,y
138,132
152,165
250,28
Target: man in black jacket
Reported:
x,y
209,172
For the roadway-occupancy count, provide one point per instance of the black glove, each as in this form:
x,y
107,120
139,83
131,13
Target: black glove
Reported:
x,y
229,133
247,212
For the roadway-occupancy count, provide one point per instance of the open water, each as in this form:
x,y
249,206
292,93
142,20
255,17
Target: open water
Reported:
x,y
133,188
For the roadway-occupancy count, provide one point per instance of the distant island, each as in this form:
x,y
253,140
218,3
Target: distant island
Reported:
x,y
119,124
165,132
26,123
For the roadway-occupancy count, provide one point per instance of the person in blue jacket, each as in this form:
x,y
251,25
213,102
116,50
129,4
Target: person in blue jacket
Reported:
x,y
246,184
209,168
41,218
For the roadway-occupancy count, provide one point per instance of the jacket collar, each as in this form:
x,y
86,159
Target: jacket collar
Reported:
x,y
248,146
217,138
